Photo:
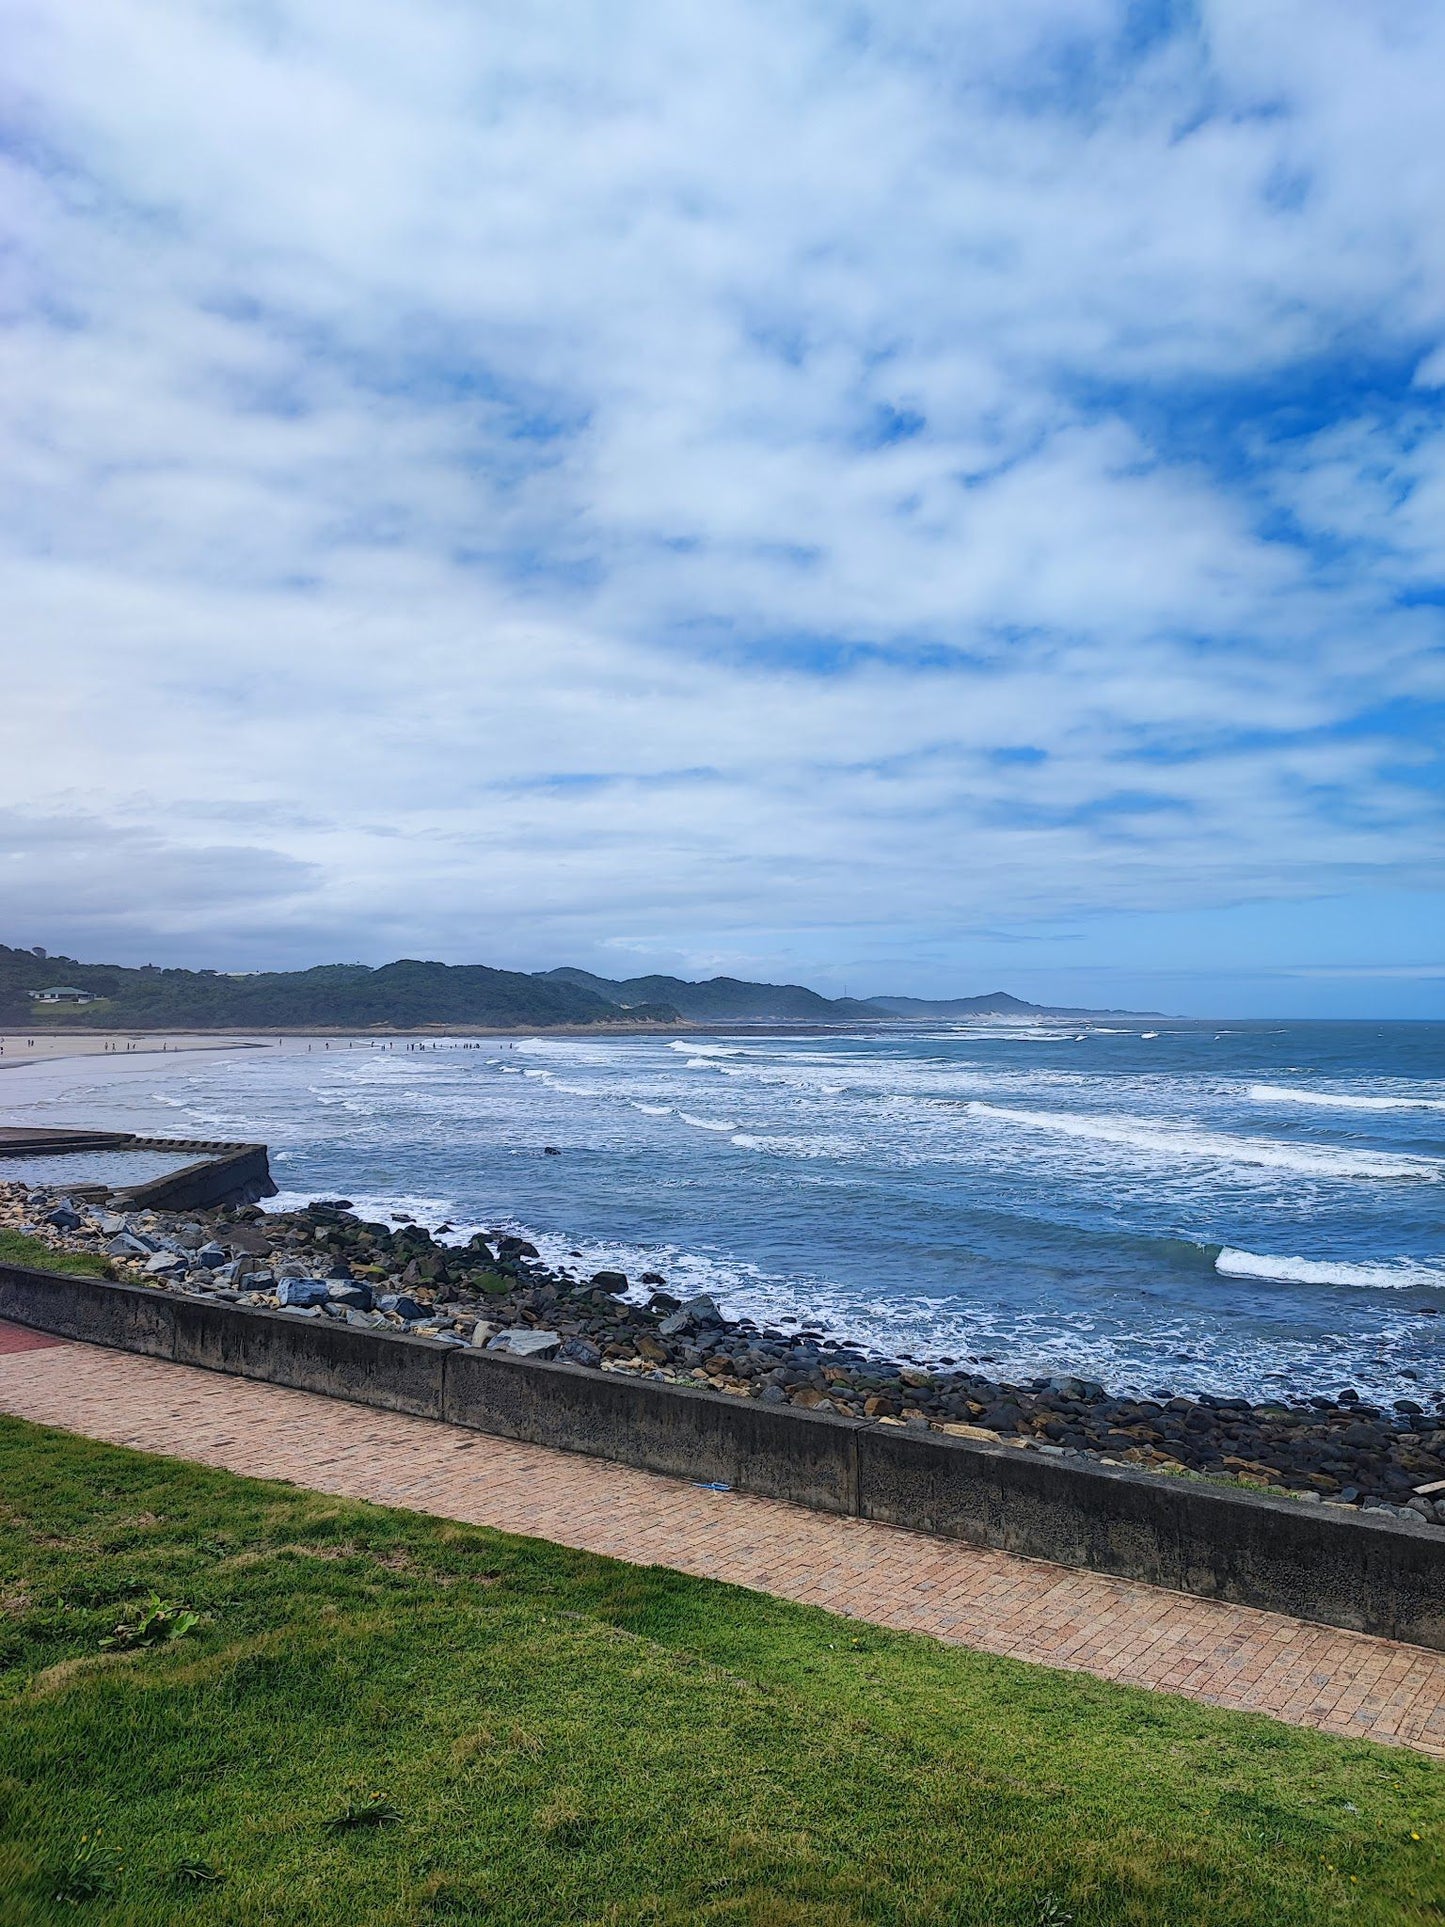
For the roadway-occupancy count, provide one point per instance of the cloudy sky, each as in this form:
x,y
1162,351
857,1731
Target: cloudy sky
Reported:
x,y
925,497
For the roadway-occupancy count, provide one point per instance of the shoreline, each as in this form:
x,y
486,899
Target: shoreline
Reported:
x,y
54,1047
323,1261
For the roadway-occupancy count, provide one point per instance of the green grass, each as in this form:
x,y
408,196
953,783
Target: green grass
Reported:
x,y
17,1249
383,1718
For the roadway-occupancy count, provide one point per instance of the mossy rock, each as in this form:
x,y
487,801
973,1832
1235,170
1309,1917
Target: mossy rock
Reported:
x,y
492,1282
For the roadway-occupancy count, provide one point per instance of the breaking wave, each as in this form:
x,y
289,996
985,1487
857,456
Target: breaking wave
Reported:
x,y
1308,1160
1342,1100
1401,1275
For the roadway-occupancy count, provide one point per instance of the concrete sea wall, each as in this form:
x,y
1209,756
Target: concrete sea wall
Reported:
x,y
1311,1561
227,1174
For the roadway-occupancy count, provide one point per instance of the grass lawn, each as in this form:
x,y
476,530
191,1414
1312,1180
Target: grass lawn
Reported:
x,y
17,1249
383,1718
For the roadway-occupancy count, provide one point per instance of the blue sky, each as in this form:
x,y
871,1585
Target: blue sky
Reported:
x,y
927,499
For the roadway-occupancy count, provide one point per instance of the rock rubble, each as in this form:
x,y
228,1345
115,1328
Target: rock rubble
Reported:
x,y
495,1291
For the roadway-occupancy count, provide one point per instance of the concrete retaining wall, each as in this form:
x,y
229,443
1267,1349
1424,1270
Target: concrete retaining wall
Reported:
x,y
1314,1562
230,1174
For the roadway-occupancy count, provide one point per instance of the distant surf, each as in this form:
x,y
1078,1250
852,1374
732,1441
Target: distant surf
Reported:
x,y
1253,1210
1343,1100
1158,1140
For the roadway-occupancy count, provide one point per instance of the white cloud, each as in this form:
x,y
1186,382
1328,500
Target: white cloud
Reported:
x,y
457,460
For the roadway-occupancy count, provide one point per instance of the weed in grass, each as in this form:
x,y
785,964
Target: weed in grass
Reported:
x,y
152,1624
374,1810
196,1873
1051,1913
89,1874
562,1823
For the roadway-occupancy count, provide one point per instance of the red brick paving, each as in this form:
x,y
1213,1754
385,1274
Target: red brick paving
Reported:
x,y
1230,1656
15,1338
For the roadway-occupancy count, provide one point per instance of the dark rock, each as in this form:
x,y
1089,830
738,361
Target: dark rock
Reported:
x,y
246,1242
129,1245
526,1344
694,1314
663,1301
403,1305
64,1217
609,1280
301,1293
581,1351
350,1293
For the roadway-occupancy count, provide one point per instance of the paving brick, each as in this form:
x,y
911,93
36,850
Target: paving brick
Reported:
x,y
1228,1656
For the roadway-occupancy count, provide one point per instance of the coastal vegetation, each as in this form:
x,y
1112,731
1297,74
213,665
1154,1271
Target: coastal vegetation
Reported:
x,y
412,994
399,995
383,1718
19,1248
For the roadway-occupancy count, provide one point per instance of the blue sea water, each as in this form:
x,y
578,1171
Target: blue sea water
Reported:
x,y
1251,1207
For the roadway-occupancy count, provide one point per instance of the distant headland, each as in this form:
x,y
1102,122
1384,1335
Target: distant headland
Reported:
x,y
38,989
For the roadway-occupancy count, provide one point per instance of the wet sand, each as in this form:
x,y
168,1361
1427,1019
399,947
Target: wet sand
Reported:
x,y
17,1048
54,1046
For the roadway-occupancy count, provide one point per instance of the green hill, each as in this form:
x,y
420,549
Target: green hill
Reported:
x,y
410,994
352,996
720,1000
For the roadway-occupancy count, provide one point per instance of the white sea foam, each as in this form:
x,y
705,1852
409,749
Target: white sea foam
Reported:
x,y
782,1144
652,1110
1402,1274
1343,1100
709,1123
705,1050
1308,1160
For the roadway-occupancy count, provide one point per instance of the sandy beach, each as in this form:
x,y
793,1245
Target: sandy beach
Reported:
x,y
17,1048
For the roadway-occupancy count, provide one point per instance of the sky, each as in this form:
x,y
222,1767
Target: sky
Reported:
x,y
925,499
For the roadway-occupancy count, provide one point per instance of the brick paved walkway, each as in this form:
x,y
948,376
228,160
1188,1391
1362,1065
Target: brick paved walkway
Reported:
x,y
1231,1656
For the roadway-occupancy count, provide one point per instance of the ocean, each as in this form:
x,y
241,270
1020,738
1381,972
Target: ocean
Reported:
x,y
1252,1208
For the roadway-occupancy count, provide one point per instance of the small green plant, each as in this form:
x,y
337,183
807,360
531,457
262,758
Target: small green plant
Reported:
x,y
1051,1913
89,1873
153,1624
375,1810
196,1873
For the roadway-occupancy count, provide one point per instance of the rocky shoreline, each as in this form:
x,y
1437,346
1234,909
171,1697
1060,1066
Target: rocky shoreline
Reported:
x,y
494,1290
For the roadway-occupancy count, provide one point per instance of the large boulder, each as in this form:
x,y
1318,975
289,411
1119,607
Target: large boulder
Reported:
x,y
349,1292
246,1242
694,1314
299,1294
526,1344
127,1245
581,1351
